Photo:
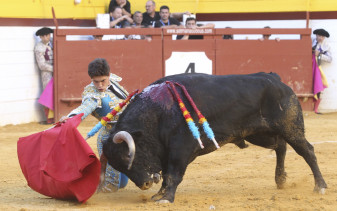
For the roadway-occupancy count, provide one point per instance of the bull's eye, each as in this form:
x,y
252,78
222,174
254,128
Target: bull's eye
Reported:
x,y
126,158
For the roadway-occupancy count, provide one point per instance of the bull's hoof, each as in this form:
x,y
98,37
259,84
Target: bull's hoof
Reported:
x,y
163,201
281,180
160,198
280,186
320,187
322,191
156,197
319,190
156,178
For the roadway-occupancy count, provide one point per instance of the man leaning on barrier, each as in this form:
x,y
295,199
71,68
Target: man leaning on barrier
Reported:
x,y
191,23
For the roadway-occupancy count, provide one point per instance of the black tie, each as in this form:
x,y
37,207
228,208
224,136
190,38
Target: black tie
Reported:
x,y
111,87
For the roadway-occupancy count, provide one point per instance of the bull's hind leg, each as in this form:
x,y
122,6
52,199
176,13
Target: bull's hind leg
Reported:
x,y
272,141
306,150
280,174
292,127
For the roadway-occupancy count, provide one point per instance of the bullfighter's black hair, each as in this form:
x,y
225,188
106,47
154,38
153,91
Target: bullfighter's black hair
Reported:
x,y
98,67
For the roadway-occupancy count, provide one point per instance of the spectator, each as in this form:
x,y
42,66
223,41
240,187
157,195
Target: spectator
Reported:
x,y
96,37
228,36
124,4
137,23
191,23
44,58
320,53
267,36
137,20
151,16
118,20
165,20
99,98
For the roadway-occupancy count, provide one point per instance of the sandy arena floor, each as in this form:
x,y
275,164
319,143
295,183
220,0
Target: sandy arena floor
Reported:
x,y
228,179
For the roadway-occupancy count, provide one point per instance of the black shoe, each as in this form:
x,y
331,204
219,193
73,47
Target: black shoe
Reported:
x,y
318,112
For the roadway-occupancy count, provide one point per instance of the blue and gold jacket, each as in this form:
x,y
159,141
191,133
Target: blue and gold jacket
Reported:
x,y
99,104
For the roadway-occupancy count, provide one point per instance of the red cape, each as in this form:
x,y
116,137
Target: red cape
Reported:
x,y
59,163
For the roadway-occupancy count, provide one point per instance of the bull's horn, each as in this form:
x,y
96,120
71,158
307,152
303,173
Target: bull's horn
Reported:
x,y
125,136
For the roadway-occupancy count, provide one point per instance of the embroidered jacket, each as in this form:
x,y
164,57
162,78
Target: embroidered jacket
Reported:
x,y
99,104
44,59
324,49
44,56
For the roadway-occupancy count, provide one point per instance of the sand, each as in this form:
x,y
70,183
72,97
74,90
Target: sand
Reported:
x,y
228,179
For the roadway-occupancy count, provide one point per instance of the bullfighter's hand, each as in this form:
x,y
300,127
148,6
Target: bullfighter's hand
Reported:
x,y
63,119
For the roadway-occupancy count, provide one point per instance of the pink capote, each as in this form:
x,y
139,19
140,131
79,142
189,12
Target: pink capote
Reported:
x,y
59,163
47,96
317,78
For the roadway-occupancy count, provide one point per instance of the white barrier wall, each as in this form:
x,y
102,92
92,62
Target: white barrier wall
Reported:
x,y
19,77
20,84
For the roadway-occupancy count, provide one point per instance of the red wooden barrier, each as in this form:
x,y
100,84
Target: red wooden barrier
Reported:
x,y
141,62
138,62
291,59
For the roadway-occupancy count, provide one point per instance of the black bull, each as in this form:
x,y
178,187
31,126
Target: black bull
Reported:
x,y
257,108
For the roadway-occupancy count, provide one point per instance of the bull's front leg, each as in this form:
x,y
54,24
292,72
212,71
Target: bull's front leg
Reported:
x,y
167,192
162,190
171,179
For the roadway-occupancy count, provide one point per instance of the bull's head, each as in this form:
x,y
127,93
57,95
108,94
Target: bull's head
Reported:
x,y
123,158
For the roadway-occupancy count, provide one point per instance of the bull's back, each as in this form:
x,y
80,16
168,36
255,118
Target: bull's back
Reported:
x,y
244,101
232,92
199,81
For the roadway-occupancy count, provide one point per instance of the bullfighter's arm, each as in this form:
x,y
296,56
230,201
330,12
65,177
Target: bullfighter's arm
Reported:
x,y
87,107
